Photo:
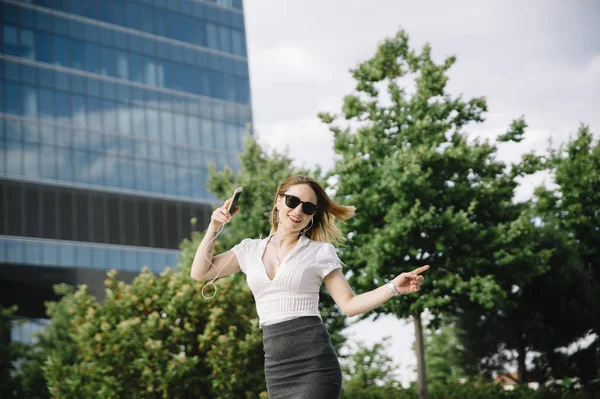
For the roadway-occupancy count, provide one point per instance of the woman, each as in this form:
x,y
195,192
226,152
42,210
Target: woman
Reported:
x,y
284,272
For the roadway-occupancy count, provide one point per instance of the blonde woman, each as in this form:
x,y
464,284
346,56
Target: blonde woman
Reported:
x,y
285,272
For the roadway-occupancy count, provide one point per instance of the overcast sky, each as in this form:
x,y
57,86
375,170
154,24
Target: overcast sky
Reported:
x,y
539,59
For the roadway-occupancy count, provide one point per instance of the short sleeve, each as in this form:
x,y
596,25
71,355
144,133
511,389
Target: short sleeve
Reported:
x,y
242,252
327,260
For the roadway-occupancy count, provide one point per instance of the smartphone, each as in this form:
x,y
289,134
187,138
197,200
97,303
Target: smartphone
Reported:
x,y
236,196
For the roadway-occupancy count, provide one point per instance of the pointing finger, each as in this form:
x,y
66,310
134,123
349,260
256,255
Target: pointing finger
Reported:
x,y
421,269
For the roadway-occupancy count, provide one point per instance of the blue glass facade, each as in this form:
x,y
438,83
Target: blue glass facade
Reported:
x,y
110,114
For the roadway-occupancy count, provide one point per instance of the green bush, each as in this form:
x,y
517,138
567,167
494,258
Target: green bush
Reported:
x,y
158,338
470,390
375,392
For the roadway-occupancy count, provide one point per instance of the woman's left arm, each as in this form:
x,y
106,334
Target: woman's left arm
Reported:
x,y
353,305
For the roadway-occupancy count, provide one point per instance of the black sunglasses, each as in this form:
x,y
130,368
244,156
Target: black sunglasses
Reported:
x,y
292,201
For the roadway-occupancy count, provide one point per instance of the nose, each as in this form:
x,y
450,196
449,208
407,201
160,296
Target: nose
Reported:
x,y
299,206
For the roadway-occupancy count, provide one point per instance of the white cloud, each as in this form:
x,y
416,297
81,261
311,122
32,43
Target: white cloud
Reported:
x,y
305,140
286,60
590,77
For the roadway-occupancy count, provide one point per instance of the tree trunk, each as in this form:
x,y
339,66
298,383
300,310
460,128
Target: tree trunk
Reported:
x,y
420,349
522,370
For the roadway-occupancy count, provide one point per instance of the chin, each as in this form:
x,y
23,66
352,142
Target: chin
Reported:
x,y
294,227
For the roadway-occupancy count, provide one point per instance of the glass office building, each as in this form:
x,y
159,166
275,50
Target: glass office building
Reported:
x,y
111,112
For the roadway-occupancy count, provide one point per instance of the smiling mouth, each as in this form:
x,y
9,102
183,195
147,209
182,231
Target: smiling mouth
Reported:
x,y
294,219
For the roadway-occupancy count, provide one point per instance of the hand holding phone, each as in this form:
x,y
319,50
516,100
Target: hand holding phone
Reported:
x,y
234,201
223,214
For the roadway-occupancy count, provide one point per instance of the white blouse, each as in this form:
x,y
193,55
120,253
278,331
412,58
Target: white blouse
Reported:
x,y
294,291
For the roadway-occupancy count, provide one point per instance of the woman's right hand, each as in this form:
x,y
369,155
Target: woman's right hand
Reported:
x,y
221,215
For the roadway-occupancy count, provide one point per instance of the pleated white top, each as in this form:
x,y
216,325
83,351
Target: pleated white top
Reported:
x,y
294,291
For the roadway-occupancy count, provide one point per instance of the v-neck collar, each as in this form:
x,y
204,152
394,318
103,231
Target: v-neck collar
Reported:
x,y
303,240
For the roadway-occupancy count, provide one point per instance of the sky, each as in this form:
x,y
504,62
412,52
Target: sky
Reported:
x,y
536,59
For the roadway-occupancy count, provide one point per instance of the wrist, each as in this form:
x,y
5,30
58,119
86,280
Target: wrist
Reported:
x,y
214,225
392,288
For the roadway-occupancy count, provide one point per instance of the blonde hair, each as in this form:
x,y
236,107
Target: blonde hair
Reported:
x,y
323,227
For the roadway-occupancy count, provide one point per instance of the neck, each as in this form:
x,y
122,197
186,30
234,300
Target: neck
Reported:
x,y
286,238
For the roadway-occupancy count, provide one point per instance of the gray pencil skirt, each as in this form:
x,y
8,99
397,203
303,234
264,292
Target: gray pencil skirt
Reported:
x,y
300,362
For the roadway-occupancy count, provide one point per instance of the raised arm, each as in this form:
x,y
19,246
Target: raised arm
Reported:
x,y
206,266
352,304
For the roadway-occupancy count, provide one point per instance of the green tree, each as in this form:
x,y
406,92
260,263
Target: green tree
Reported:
x,y
9,354
425,192
55,342
369,366
20,363
574,205
30,373
531,319
260,174
444,352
